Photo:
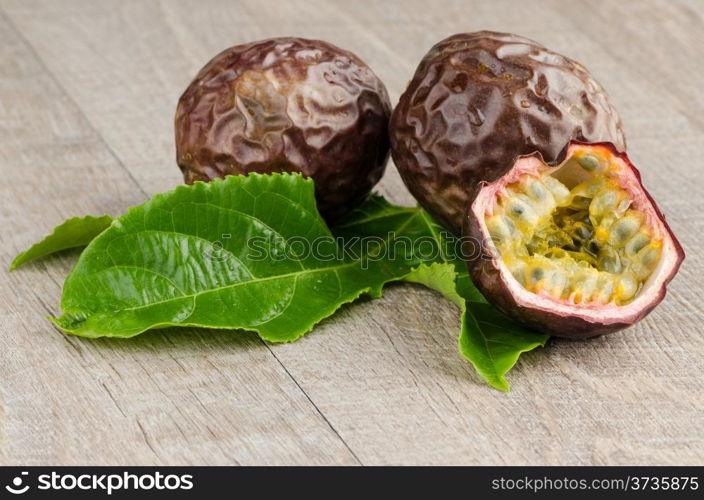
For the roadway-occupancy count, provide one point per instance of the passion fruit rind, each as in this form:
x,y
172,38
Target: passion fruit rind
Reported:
x,y
479,100
576,250
287,105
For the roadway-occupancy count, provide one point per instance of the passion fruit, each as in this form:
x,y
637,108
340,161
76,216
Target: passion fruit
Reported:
x,y
478,101
287,105
579,249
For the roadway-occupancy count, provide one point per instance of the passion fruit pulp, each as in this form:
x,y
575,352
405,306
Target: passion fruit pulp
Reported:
x,y
576,250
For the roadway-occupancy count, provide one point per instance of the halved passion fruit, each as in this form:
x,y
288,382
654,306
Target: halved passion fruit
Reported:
x,y
576,250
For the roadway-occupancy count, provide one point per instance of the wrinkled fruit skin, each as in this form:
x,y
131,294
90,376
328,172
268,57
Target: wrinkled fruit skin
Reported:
x,y
485,273
479,100
287,105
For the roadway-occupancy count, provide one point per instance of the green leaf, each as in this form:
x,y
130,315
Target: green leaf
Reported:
x,y
488,339
441,277
492,342
225,254
75,232
220,255
398,231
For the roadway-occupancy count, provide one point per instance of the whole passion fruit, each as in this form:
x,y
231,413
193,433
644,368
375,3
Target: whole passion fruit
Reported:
x,y
576,250
287,105
478,101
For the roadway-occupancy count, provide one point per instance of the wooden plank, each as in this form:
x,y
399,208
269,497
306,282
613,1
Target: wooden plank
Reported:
x,y
178,398
386,374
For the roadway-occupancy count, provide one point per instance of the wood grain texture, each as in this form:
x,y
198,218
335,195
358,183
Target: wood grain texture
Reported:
x,y
87,95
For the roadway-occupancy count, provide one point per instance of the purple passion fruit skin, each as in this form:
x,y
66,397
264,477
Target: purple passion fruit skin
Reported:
x,y
287,105
478,101
576,250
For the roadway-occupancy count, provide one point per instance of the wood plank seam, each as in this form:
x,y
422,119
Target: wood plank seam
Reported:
x,y
320,412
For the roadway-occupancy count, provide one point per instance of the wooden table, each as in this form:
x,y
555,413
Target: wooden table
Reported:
x,y
88,91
